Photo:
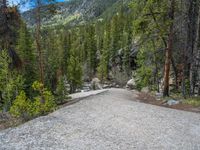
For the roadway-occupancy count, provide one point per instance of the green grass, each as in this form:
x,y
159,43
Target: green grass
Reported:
x,y
195,101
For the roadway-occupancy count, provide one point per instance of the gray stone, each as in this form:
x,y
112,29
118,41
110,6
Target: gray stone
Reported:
x,y
131,84
117,86
86,87
172,102
106,86
96,84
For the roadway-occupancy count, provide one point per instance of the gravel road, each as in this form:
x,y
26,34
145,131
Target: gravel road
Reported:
x,y
108,121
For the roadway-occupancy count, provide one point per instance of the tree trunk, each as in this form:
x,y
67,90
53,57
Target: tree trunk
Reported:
x,y
38,44
175,72
194,61
168,53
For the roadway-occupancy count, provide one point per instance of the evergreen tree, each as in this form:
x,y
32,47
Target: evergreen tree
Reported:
x,y
91,49
103,68
74,70
10,82
26,53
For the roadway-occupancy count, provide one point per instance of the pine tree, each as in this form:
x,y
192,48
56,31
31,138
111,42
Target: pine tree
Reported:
x,y
10,82
65,46
154,23
25,50
103,68
91,49
74,70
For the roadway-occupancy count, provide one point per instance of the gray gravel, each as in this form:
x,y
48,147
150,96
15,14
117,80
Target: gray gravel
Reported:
x,y
109,121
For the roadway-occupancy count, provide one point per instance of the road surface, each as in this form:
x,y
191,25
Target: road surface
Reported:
x,y
108,121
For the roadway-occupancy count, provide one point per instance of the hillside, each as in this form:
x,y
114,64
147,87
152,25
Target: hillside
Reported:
x,y
76,12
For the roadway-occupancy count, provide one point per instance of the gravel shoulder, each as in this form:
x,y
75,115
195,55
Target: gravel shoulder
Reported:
x,y
108,121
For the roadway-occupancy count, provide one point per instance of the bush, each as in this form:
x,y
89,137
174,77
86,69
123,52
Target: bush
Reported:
x,y
11,83
42,104
143,77
193,101
21,106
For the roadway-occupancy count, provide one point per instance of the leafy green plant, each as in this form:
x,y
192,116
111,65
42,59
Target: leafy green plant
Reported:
x,y
43,103
193,101
21,106
40,105
61,91
74,73
144,76
10,82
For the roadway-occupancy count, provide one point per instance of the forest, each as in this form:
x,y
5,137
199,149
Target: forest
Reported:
x,y
154,42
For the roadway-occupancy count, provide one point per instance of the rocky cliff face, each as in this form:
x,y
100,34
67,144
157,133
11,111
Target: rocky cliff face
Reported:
x,y
73,12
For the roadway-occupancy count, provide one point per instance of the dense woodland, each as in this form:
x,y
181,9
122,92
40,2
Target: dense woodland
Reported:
x,y
155,42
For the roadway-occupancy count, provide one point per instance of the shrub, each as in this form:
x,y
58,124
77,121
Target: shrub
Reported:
x,y
193,101
11,83
143,77
41,104
21,106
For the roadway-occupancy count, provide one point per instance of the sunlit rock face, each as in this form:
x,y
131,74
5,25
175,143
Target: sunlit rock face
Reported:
x,y
75,12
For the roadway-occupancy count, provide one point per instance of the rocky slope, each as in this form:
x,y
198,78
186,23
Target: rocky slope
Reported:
x,y
76,12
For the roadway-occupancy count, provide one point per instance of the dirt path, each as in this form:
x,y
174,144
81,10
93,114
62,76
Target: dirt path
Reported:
x,y
108,121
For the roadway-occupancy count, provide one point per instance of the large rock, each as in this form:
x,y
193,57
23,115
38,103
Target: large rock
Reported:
x,y
172,102
131,84
96,84
86,87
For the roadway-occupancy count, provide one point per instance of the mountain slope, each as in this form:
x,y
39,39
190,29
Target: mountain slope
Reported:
x,y
75,12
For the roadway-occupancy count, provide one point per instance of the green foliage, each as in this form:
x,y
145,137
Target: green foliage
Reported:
x,y
10,82
25,49
43,103
150,28
40,105
61,91
90,46
193,101
102,69
22,106
37,86
148,73
104,60
75,72
143,77
187,87
72,14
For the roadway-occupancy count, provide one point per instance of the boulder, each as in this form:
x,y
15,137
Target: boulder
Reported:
x,y
113,85
117,86
95,84
131,84
172,102
86,86
106,86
